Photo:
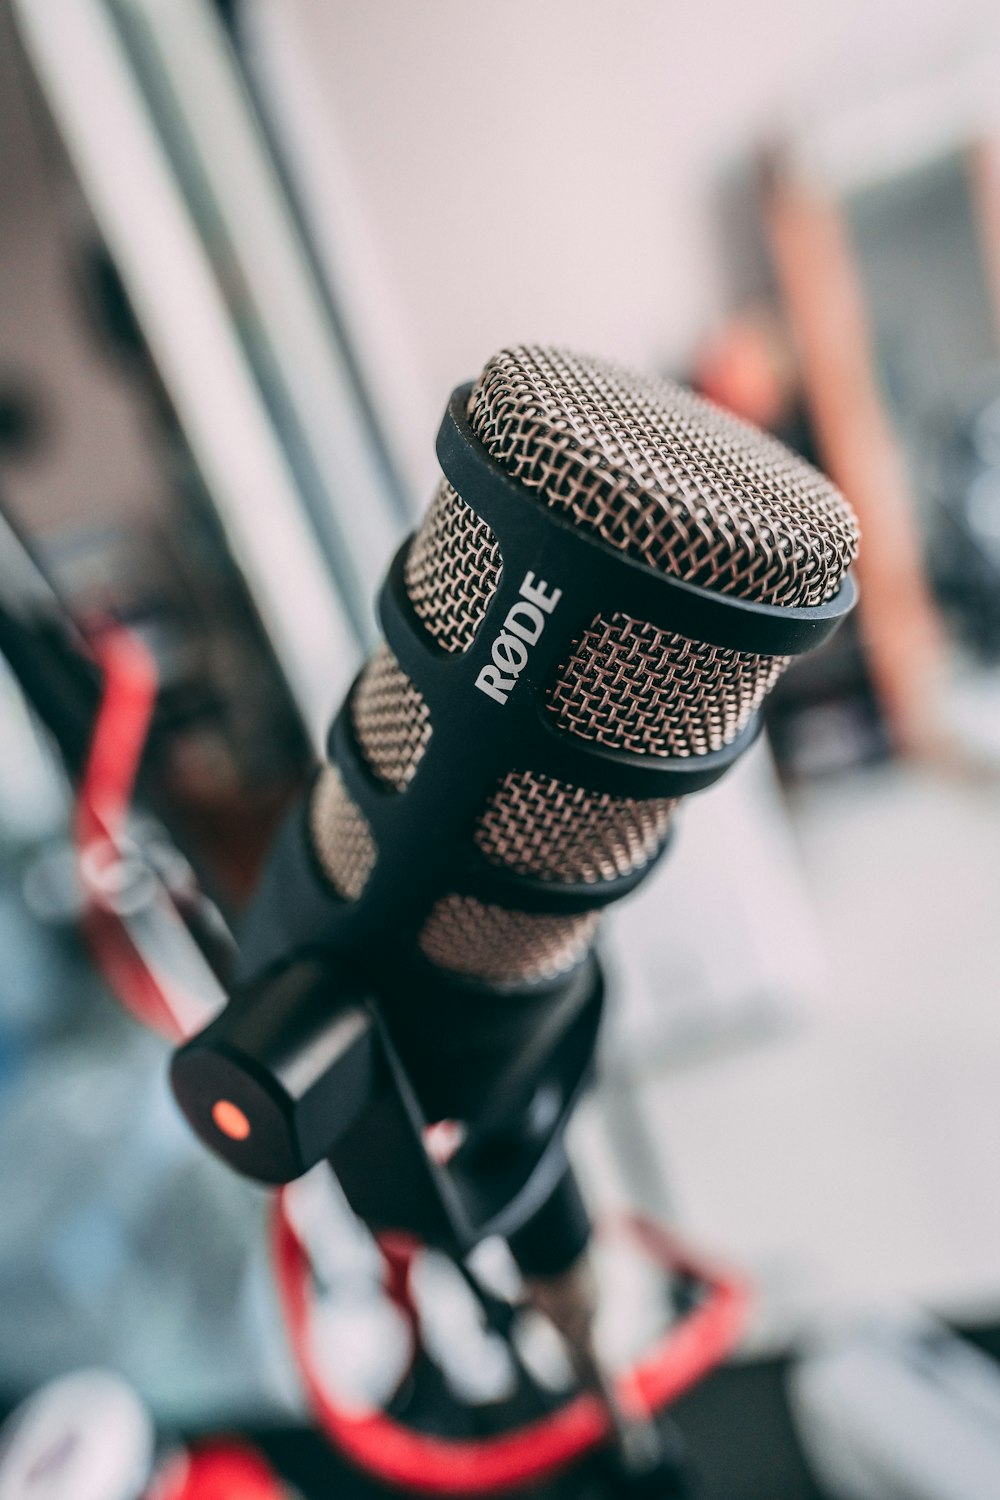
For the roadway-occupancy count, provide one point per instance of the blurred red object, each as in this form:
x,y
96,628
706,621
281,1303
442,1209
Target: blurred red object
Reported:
x,y
222,1471
749,368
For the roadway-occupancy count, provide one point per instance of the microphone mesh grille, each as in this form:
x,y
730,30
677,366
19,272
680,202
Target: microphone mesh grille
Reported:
x,y
666,476
633,687
486,942
390,718
553,831
452,570
341,835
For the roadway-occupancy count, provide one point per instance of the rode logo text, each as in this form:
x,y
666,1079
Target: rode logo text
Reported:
x,y
521,629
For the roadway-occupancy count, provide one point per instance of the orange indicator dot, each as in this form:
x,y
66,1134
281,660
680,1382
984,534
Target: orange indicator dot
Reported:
x,y
230,1119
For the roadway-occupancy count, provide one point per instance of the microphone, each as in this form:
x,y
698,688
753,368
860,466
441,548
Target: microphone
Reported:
x,y
611,576
649,471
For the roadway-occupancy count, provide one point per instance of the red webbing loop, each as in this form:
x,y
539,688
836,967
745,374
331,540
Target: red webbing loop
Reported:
x,y
382,1446
116,748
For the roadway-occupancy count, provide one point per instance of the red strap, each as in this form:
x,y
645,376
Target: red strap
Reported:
x,y
119,737
116,747
396,1453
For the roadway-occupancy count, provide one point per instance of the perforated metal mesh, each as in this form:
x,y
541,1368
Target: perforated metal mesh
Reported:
x,y
633,687
391,719
504,947
548,829
665,476
341,835
452,570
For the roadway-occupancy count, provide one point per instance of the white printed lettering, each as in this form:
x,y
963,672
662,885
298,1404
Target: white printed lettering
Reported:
x,y
490,682
515,621
539,593
522,628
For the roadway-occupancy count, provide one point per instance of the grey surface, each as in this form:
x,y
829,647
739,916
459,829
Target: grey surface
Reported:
x,y
847,1158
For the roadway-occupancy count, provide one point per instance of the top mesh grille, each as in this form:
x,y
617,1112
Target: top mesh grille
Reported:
x,y
665,476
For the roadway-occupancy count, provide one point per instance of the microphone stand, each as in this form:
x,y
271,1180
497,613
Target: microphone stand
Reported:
x,y
308,1059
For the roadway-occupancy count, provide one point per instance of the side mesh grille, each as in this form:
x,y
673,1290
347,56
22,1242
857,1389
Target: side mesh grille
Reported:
x,y
553,831
683,697
391,720
452,570
504,947
341,836
393,727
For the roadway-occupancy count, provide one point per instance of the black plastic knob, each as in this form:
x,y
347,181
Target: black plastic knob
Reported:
x,y
275,1079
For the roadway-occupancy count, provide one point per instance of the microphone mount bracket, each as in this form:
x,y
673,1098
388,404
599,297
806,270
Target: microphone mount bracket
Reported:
x,y
303,1065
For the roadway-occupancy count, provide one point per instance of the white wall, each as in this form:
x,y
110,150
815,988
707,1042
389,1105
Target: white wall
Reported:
x,y
547,169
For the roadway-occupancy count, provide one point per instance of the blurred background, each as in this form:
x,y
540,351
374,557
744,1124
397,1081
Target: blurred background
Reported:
x,y
247,248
